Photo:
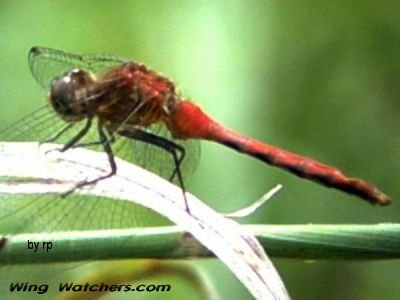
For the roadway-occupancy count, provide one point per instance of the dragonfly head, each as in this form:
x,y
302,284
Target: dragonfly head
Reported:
x,y
69,95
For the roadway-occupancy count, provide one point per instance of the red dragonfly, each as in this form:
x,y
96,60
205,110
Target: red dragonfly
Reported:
x,y
129,100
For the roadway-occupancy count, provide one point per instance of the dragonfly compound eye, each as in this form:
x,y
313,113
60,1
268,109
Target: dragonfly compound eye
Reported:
x,y
69,95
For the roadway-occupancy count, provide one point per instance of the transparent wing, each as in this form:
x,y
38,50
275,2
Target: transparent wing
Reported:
x,y
158,160
46,63
44,124
24,213
50,213
38,126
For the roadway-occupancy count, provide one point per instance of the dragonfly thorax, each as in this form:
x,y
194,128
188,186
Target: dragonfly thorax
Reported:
x,y
68,95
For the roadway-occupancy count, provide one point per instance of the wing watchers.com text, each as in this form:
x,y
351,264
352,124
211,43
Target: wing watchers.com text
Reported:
x,y
26,287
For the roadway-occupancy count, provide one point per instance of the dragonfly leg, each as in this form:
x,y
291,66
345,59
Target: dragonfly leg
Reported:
x,y
105,142
71,143
178,162
109,140
60,133
177,151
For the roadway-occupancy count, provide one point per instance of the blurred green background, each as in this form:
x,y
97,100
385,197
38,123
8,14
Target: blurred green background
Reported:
x,y
318,78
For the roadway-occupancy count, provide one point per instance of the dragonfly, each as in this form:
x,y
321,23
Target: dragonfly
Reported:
x,y
125,100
